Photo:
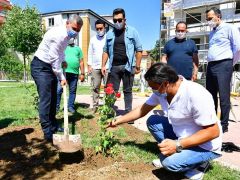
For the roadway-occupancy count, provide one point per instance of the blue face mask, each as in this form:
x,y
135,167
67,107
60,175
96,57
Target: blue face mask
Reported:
x,y
157,93
71,33
118,25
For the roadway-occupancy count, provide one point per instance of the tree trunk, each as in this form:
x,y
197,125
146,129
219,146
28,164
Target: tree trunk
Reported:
x,y
24,66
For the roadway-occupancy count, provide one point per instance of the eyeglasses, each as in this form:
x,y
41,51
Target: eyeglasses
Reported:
x,y
99,29
117,20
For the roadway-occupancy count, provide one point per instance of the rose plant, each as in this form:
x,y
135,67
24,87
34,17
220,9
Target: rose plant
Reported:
x,y
107,113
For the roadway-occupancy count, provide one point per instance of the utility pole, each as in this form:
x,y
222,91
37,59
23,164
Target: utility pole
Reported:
x,y
160,37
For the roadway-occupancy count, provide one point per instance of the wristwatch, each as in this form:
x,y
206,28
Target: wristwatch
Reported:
x,y
179,147
83,74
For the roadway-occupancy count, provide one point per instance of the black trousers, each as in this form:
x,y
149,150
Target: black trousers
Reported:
x,y
218,78
46,82
115,76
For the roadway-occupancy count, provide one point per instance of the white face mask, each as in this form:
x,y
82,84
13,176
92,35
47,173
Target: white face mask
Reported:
x,y
100,33
212,23
180,35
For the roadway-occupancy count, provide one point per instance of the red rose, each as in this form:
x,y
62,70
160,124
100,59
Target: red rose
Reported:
x,y
109,90
118,94
109,85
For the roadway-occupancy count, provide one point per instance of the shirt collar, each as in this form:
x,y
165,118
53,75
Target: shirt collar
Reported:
x,y
219,26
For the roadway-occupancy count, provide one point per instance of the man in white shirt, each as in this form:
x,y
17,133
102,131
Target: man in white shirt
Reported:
x,y
95,52
46,70
189,134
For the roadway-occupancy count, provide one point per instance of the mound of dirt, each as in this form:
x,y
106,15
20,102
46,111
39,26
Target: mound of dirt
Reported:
x,y
25,155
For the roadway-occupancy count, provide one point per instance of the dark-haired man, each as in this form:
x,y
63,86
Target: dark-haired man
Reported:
x,y
95,51
181,53
189,133
124,50
223,53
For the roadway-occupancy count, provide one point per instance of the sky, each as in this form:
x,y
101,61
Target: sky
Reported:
x,y
144,15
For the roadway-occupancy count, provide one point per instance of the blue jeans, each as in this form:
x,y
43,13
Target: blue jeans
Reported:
x,y
72,80
218,78
46,82
189,158
115,76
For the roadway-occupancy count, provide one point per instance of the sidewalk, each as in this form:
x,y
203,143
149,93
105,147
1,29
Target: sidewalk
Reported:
x,y
233,134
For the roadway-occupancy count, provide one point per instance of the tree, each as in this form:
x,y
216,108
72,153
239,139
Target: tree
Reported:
x,y
155,52
3,44
23,30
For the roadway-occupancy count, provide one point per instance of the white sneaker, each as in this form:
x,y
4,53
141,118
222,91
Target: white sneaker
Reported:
x,y
197,173
157,163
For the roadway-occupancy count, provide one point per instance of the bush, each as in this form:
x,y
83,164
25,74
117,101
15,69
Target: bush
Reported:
x,y
11,67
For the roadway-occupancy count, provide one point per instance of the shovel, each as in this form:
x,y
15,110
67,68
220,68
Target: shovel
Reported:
x,y
67,143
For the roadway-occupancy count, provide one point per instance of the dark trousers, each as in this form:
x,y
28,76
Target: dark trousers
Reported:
x,y
72,80
46,82
115,76
219,74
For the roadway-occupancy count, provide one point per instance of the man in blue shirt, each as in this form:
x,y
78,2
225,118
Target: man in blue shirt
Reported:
x,y
124,50
181,53
223,53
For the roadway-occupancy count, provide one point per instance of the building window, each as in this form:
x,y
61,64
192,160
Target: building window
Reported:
x,y
193,18
237,7
51,22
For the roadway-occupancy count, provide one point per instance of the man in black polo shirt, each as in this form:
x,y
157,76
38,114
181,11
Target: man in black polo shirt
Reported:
x,y
181,53
124,50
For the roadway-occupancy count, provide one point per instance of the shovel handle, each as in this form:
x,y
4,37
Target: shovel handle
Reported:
x,y
66,130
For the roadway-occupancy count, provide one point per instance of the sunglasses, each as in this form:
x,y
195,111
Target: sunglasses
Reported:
x,y
117,20
182,31
99,29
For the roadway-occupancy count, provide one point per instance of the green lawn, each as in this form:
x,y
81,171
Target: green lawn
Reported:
x,y
17,102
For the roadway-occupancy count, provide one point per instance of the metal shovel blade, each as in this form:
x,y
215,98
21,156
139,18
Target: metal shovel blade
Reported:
x,y
67,143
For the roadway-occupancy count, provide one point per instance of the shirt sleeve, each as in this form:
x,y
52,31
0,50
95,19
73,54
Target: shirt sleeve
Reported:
x,y
165,49
138,44
152,100
80,54
195,49
203,108
235,44
105,47
56,56
90,53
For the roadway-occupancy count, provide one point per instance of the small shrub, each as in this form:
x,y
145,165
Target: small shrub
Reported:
x,y
107,113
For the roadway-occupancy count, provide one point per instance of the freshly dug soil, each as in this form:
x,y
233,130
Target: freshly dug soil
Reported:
x,y
25,155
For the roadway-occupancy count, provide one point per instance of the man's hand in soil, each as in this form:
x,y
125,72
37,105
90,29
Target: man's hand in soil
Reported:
x,y
112,124
167,147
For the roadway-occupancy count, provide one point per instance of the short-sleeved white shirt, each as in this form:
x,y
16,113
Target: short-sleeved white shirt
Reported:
x,y
190,109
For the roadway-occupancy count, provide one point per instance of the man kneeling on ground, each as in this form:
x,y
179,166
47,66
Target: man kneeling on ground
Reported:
x,y
189,134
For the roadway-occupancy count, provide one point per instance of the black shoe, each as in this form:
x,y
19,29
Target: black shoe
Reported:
x,y
60,129
71,110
